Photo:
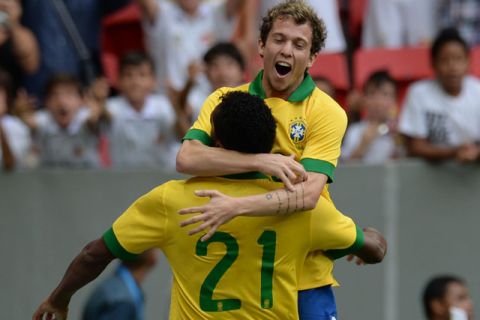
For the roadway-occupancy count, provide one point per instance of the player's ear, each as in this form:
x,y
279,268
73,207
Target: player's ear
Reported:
x,y
438,307
261,47
311,60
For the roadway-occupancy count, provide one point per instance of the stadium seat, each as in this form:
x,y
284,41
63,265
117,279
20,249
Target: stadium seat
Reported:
x,y
475,61
334,67
405,65
121,32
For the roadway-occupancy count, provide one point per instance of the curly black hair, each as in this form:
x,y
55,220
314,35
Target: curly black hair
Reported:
x,y
243,123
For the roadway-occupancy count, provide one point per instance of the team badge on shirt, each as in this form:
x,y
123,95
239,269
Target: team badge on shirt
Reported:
x,y
298,130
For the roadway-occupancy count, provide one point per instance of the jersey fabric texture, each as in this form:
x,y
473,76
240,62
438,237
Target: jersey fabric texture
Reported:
x,y
249,269
310,125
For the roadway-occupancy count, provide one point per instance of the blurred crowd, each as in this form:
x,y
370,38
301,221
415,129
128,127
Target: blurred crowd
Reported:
x,y
58,109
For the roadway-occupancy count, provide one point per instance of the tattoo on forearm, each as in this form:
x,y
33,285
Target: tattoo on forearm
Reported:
x,y
279,202
288,200
303,197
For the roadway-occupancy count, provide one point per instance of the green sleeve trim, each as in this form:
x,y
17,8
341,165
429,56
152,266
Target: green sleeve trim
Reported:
x,y
197,134
115,247
320,166
357,245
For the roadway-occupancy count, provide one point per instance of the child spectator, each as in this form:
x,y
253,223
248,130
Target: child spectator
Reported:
x,y
224,67
142,125
15,142
441,116
372,140
61,131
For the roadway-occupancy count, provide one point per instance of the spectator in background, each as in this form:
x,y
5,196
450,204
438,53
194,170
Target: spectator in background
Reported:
x,y
141,126
446,297
463,15
372,140
15,142
178,33
441,116
61,132
325,85
19,53
58,52
224,67
120,296
398,23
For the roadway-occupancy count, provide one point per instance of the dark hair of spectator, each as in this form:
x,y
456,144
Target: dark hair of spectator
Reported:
x,y
135,59
301,13
436,289
6,84
61,79
224,49
379,78
446,36
243,123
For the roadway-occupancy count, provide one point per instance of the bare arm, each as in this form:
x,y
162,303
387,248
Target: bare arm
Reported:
x,y
375,247
422,148
25,45
222,208
233,7
150,9
197,159
86,266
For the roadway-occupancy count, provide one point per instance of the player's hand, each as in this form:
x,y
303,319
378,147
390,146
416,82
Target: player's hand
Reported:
x,y
46,311
283,167
358,261
218,211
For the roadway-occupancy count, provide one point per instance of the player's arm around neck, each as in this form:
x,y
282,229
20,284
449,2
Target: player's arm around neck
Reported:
x,y
197,159
86,266
223,208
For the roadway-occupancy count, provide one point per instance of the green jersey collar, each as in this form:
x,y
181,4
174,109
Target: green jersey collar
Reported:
x,y
300,94
246,176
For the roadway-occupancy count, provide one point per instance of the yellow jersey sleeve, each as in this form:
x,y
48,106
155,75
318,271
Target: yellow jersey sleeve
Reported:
x,y
142,226
202,127
334,232
327,123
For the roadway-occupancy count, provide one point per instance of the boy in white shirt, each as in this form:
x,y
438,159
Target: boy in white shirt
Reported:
x,y
441,116
142,125
61,132
372,140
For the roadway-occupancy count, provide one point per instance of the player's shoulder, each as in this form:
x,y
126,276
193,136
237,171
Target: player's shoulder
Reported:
x,y
321,103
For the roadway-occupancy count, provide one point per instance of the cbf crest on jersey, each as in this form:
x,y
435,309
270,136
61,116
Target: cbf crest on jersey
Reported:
x,y
298,131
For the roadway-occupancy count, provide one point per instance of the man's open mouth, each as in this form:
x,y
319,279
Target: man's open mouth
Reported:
x,y
283,68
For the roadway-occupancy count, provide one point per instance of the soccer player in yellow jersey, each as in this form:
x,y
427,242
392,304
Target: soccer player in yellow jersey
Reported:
x,y
249,268
310,128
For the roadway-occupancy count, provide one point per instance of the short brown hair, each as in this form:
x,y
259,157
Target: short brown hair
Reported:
x,y
62,79
301,13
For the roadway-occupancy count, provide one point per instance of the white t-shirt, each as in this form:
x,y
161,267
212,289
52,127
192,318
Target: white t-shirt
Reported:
x,y
381,149
145,139
327,10
430,113
399,23
18,137
176,39
73,147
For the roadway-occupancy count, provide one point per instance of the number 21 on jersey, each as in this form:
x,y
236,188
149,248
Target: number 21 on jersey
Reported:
x,y
267,241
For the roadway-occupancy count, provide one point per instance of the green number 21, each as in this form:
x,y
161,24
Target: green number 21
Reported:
x,y
267,240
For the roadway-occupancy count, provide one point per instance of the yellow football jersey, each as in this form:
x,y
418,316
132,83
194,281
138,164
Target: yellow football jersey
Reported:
x,y
249,269
310,125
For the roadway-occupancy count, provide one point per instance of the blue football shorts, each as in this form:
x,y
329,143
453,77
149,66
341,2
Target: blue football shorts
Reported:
x,y
317,304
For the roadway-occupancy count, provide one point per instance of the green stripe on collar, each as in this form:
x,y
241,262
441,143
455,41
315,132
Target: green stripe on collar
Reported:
x,y
301,93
